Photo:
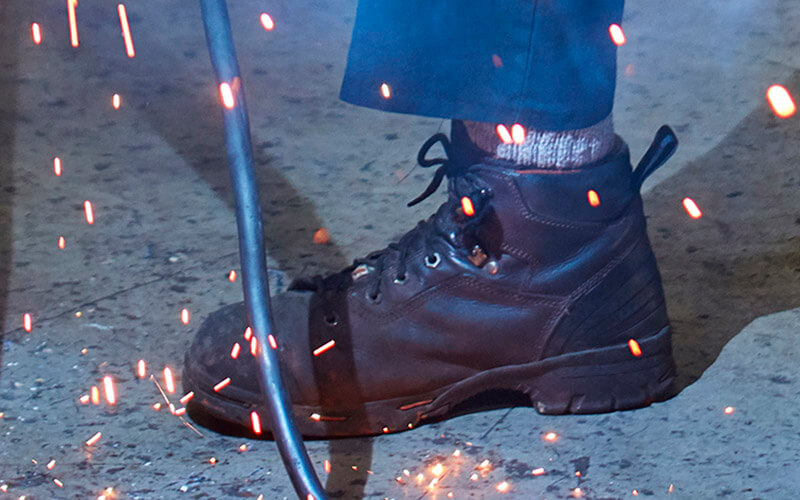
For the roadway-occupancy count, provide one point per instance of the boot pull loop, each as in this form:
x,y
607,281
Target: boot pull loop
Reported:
x,y
664,145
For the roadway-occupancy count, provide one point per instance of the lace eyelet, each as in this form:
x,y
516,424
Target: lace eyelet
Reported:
x,y
433,261
376,299
398,280
331,319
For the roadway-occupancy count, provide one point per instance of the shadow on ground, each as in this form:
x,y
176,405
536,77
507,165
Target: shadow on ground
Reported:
x,y
741,260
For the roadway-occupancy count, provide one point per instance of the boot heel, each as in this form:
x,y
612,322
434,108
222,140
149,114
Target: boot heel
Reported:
x,y
604,380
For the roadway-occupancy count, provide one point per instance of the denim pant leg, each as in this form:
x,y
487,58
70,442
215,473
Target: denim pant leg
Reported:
x,y
549,64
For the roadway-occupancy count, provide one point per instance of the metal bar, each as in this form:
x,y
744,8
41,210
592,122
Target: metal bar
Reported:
x,y
251,250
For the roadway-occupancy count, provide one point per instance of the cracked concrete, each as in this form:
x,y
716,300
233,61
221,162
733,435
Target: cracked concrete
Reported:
x,y
164,239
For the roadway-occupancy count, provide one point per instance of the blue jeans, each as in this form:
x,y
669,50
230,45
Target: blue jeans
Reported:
x,y
548,64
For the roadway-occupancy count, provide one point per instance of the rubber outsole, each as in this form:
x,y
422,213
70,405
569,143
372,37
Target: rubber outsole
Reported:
x,y
592,381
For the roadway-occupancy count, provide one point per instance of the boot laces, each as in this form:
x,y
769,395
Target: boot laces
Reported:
x,y
449,224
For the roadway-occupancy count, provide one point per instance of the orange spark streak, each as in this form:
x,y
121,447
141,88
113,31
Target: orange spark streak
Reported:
x,y
58,483
62,243
518,134
324,347
227,95
169,382
95,392
729,410
266,21
272,342
57,166
51,464
316,417
386,92
108,388
73,23
141,368
36,33
691,208
253,346
327,466
538,471
179,412
594,199
156,406
781,101
222,384
255,420
617,35
235,350
248,333
185,316
503,487
504,134
27,322
94,439
126,30
466,206
310,497
232,276
116,101
84,399
88,212
186,397
634,347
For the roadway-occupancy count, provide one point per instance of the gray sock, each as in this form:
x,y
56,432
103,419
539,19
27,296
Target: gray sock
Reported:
x,y
547,149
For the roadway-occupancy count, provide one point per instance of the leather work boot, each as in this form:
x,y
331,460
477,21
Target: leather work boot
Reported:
x,y
540,282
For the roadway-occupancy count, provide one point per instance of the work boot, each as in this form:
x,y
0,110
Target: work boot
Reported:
x,y
540,282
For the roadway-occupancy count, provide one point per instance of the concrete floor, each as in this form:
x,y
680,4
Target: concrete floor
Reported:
x,y
164,240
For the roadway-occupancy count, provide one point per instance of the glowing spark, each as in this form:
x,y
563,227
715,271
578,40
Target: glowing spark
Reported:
x,y
466,206
88,211
78,314
386,92
51,464
267,22
179,412
255,422
310,497
577,493
406,472
141,368
58,483
57,166
385,430
594,200
518,134
781,101
185,316
84,350
729,410
691,208
504,134
253,346
36,33
316,417
433,483
116,101
108,388
169,381
235,350
485,466
62,243
635,493
94,439
227,95
671,488
327,466
634,347
551,436
84,399
538,471
95,392
186,397
272,342
242,447
157,406
222,384
503,487
473,476
457,453
232,276
324,347
248,333
322,236
437,470
73,23
212,460
126,30
617,35
27,322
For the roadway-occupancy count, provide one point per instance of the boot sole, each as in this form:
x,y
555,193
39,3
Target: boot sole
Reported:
x,y
591,381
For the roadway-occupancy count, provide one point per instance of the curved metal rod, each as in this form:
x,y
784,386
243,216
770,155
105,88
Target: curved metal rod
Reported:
x,y
251,250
